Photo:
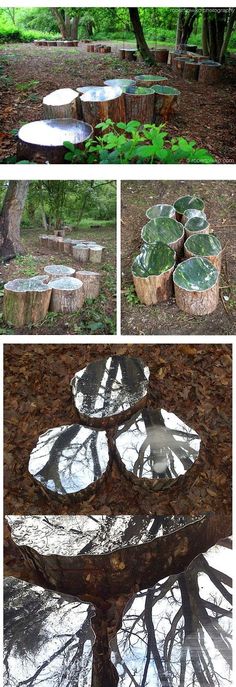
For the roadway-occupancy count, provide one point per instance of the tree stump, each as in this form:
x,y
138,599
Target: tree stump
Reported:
x,y
25,302
164,230
122,53
42,141
210,73
190,70
121,83
80,252
105,102
60,233
187,203
205,246
130,54
68,245
91,282
139,104
166,101
196,285
62,104
152,273
67,295
58,271
161,55
95,254
178,65
197,225
90,48
42,43
192,213
149,80
69,44
52,44
60,44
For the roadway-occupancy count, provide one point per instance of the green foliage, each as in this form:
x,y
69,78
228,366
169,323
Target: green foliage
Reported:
x,y
28,265
135,143
27,85
131,296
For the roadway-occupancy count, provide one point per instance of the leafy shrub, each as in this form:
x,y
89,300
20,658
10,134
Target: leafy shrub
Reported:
x,y
135,143
12,35
9,35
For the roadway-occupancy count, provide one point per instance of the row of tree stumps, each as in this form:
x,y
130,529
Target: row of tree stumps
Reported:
x,y
101,562
195,67
179,252
72,114
61,289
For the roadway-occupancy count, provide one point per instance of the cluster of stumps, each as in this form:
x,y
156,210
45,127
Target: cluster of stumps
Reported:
x,y
60,289
179,251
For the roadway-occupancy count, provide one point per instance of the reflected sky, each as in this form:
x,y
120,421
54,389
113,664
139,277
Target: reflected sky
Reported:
x,y
155,443
67,459
178,633
109,386
73,535
48,638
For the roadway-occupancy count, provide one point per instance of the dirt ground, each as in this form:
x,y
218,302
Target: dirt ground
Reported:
x,y
97,316
166,318
207,119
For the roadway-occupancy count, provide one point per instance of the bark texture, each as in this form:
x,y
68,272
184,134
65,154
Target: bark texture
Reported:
x,y
154,289
197,302
91,282
66,299
22,308
140,107
10,219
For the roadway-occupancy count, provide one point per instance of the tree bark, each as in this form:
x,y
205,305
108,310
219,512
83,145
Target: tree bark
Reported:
x,y
154,289
58,16
229,30
179,27
139,35
74,28
91,282
67,295
205,33
10,219
25,307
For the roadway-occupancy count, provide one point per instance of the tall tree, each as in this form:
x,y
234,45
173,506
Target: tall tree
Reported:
x,y
139,35
10,219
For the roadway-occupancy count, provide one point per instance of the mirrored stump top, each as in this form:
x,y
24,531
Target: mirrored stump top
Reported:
x,y
110,390
157,444
69,458
180,630
48,637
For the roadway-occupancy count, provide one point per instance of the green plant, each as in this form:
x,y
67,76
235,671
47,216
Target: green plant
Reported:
x,y
27,85
28,265
131,296
135,143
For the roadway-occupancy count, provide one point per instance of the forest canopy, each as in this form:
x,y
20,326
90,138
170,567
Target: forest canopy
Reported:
x,y
160,24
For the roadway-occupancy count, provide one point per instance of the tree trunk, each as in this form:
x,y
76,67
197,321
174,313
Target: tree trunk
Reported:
x,y
74,28
229,30
190,71
188,26
139,35
80,253
58,16
180,22
205,33
10,219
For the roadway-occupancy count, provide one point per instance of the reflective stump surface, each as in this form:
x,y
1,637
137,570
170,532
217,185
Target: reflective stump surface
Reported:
x,y
109,389
179,631
69,458
48,638
157,444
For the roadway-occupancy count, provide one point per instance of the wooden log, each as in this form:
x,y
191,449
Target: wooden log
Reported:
x,y
95,254
60,44
51,44
149,80
196,285
190,70
68,245
103,103
122,53
166,101
161,55
67,295
42,141
58,271
25,302
60,233
139,105
80,252
155,288
178,65
130,54
62,104
205,246
42,43
69,44
209,73
91,282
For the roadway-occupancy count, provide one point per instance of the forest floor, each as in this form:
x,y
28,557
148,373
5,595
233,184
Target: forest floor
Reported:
x,y
166,318
97,316
29,73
